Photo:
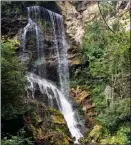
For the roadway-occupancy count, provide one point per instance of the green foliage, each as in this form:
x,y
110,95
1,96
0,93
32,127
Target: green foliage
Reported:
x,y
16,140
13,79
120,137
101,135
98,97
109,56
108,8
108,52
12,112
82,78
109,65
118,114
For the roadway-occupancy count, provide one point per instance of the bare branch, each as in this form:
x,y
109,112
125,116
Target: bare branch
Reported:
x,y
104,19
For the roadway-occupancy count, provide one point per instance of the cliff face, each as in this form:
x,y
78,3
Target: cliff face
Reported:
x,y
14,15
76,14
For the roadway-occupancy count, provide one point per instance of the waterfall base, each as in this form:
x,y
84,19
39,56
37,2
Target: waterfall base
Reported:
x,y
54,94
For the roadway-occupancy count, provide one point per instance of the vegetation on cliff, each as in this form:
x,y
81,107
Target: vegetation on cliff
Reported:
x,y
28,123
109,65
99,83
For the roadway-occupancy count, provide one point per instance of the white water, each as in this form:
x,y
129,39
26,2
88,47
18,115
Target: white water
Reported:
x,y
63,104
33,27
60,50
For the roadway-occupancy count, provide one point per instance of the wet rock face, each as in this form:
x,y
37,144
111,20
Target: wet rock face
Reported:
x,y
77,62
10,27
43,97
41,124
46,63
13,15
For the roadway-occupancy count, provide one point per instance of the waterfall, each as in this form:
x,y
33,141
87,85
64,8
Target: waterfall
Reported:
x,y
37,17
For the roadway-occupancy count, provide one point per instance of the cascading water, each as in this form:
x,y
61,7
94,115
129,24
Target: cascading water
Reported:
x,y
58,49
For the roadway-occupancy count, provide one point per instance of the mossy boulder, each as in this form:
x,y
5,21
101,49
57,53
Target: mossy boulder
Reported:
x,y
57,119
44,124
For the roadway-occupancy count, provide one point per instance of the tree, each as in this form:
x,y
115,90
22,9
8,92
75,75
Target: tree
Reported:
x,y
13,79
109,60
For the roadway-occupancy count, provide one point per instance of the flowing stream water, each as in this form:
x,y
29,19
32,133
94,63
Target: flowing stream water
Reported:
x,y
59,48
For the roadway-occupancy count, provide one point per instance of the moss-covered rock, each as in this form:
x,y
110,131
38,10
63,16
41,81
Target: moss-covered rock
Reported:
x,y
79,94
45,124
57,119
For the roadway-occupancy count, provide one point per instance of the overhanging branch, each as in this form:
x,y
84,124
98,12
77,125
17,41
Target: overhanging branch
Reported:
x,y
104,19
